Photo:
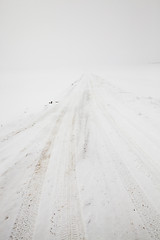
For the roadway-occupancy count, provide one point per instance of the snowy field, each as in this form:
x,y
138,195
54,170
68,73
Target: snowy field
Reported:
x,y
88,166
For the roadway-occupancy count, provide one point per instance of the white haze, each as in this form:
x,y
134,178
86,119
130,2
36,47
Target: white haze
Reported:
x,y
46,45
87,166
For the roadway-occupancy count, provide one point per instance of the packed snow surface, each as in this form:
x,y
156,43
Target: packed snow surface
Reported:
x,y
86,168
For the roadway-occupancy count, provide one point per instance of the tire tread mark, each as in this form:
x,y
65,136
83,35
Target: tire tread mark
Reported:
x,y
144,208
23,227
66,220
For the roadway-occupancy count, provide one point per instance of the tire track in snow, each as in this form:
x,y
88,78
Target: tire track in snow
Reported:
x,y
146,211
142,158
66,220
23,227
144,208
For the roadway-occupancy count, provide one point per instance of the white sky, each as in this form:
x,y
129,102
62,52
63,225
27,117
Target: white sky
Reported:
x,y
47,44
46,34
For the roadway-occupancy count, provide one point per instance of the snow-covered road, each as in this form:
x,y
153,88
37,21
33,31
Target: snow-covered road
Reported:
x,y
85,169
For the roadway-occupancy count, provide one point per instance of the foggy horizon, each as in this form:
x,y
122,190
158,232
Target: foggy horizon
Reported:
x,y
47,45
50,35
